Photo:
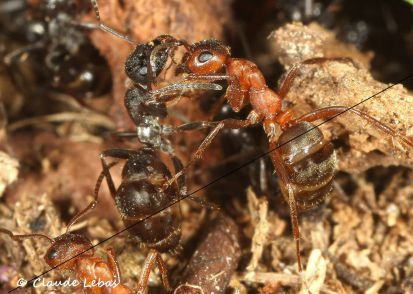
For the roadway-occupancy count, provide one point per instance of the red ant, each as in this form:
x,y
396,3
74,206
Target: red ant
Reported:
x,y
75,252
305,164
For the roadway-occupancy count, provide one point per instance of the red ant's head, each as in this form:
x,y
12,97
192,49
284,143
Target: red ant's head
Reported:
x,y
66,248
205,57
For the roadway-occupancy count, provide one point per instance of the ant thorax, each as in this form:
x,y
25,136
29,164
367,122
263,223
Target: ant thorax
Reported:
x,y
151,132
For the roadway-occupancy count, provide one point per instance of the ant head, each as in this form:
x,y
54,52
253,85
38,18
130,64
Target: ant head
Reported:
x,y
136,66
205,57
67,247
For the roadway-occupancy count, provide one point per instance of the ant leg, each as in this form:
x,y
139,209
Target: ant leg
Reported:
x,y
115,153
146,270
163,271
263,182
92,204
178,166
226,123
180,181
293,72
287,187
26,236
113,264
11,58
170,45
333,111
217,107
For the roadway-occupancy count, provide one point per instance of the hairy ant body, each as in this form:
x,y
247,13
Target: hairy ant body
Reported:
x,y
305,164
55,49
75,252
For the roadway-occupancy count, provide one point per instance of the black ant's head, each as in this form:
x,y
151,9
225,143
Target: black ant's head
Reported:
x,y
67,247
136,66
205,57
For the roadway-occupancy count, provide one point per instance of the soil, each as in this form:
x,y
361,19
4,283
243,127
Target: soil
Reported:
x,y
358,241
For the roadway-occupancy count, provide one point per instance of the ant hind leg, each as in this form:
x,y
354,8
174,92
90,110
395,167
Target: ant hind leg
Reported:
x,y
333,111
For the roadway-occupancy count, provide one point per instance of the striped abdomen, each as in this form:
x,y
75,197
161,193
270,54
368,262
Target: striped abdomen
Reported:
x,y
310,162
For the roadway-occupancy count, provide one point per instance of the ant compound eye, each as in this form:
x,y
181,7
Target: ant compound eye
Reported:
x,y
143,71
52,254
205,56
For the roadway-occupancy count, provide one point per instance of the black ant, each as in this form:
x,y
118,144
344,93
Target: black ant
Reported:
x,y
55,50
306,164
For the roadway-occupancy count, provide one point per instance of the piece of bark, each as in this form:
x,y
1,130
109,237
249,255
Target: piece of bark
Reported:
x,y
214,261
258,209
340,83
66,170
8,172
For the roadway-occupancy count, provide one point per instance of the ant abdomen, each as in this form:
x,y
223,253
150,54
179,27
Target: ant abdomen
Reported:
x,y
310,161
140,194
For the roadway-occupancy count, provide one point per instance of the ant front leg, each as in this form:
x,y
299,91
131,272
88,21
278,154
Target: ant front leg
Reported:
x,y
226,123
113,264
115,153
334,111
163,270
288,190
293,72
180,181
153,256
178,166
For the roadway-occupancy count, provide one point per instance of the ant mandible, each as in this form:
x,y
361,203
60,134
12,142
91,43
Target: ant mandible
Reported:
x,y
305,165
75,252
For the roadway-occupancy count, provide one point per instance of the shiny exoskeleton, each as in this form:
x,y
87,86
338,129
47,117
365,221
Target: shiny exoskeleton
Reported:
x,y
140,197
55,51
310,162
303,160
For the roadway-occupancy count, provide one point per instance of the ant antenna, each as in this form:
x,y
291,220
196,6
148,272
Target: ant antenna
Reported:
x,y
27,236
106,28
92,204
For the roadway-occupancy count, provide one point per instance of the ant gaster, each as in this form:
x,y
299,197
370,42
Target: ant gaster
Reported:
x,y
306,165
139,196
75,252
